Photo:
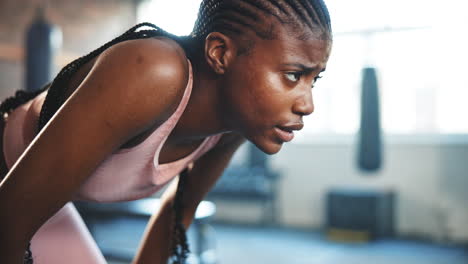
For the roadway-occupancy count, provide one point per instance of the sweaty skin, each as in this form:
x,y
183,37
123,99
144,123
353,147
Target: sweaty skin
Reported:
x,y
262,97
118,99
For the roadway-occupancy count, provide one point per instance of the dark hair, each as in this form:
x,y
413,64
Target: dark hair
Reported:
x,y
238,17
230,17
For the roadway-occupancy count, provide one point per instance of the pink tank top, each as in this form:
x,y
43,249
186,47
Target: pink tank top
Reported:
x,y
127,174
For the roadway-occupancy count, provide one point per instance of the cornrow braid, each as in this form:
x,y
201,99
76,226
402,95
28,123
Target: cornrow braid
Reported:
x,y
322,11
233,16
301,11
20,97
28,259
237,16
180,248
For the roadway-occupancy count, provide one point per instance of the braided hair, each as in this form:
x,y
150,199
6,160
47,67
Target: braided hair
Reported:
x,y
230,17
240,17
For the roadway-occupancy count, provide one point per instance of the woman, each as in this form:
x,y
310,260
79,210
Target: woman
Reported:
x,y
121,122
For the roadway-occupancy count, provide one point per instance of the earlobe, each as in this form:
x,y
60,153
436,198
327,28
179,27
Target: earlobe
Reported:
x,y
218,51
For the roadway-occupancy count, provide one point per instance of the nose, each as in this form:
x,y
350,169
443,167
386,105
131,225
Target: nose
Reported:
x,y
304,104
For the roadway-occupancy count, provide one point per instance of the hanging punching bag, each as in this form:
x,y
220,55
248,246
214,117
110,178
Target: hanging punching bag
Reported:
x,y
42,43
369,143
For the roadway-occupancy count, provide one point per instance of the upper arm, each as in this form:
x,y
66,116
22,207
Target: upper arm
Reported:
x,y
147,77
131,86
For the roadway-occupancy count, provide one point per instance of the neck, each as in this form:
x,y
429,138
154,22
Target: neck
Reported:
x,y
202,116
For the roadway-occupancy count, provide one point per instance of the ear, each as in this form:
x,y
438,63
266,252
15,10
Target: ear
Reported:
x,y
220,50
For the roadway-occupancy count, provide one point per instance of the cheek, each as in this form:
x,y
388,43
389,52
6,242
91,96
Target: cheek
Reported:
x,y
254,94
271,95
259,96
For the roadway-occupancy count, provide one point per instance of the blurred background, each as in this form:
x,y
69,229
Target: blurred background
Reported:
x,y
378,175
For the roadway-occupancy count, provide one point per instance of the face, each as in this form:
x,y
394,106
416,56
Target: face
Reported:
x,y
269,91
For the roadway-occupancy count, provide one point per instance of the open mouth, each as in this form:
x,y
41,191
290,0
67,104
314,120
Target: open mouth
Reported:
x,y
284,134
286,129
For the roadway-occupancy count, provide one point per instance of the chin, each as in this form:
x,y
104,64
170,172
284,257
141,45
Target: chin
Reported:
x,y
270,148
265,144
273,151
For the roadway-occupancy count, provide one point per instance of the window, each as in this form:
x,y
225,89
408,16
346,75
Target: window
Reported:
x,y
419,52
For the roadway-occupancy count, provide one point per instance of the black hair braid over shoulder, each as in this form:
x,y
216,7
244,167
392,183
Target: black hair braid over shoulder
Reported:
x,y
180,248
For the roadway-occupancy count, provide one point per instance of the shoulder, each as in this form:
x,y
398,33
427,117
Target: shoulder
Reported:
x,y
156,53
159,59
149,72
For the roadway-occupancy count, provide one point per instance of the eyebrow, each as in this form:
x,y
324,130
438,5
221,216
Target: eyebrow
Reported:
x,y
303,67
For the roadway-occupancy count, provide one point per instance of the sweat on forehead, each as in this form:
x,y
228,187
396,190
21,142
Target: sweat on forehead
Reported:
x,y
260,16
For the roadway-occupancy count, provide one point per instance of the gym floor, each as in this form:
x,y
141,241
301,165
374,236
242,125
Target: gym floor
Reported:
x,y
235,244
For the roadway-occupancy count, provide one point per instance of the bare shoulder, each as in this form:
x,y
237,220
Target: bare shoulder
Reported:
x,y
149,72
147,52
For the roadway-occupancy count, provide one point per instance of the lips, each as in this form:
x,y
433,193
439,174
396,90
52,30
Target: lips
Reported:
x,y
291,127
286,132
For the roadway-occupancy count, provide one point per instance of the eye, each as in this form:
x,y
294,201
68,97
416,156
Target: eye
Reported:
x,y
293,76
316,78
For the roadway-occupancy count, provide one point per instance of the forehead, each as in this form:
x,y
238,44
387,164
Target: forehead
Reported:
x,y
294,46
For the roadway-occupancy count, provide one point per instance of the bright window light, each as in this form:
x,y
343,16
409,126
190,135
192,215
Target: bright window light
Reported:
x,y
420,56
175,16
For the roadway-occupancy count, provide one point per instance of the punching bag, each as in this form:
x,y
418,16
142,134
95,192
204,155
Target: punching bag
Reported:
x,y
369,142
42,43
